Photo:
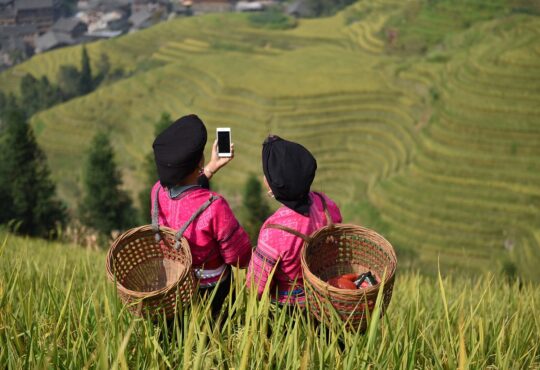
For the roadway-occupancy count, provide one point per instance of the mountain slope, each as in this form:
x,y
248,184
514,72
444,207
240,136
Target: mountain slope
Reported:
x,y
425,128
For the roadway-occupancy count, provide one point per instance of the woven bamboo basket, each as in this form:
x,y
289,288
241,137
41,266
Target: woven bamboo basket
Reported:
x,y
341,249
152,276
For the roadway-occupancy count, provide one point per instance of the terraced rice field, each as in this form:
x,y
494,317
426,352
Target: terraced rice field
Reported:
x,y
439,150
477,163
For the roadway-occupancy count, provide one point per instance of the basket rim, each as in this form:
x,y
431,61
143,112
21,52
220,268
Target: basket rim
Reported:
x,y
308,275
153,293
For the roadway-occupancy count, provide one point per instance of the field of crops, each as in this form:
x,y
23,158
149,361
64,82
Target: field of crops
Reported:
x,y
432,138
57,310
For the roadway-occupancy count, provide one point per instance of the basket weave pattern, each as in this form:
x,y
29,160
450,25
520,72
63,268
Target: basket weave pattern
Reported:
x,y
341,249
151,276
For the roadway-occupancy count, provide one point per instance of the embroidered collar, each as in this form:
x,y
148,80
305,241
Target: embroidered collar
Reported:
x,y
176,191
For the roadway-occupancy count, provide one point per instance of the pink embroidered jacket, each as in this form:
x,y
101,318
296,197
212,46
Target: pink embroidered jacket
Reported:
x,y
216,238
278,247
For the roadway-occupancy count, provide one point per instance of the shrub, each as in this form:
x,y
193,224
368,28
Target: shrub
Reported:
x,y
272,18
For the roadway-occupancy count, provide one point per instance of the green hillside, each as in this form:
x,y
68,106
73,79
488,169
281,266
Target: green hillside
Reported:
x,y
424,116
61,312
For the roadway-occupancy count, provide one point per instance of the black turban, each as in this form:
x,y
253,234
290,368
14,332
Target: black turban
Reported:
x,y
289,169
179,149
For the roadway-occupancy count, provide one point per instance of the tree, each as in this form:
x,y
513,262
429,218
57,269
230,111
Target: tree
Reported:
x,y
7,102
327,7
104,207
256,209
38,94
103,68
86,83
68,7
150,170
48,94
29,94
4,104
27,194
69,80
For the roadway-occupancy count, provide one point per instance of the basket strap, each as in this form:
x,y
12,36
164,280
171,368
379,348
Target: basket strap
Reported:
x,y
329,221
155,215
184,227
288,230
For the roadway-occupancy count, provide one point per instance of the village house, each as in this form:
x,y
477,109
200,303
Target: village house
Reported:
x,y
104,18
298,9
162,6
180,8
66,31
211,6
8,14
42,13
52,40
249,6
16,42
104,6
71,26
21,22
24,32
46,29
142,19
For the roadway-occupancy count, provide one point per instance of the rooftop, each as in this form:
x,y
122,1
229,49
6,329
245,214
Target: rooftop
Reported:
x,y
298,7
7,14
66,25
51,39
34,4
249,6
140,17
106,5
18,30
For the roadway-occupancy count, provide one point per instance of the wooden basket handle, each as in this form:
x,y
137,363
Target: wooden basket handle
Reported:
x,y
155,215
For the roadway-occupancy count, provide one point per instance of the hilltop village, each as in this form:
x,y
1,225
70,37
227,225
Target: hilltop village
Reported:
x,y
29,27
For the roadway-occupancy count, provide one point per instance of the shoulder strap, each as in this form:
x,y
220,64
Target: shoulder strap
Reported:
x,y
306,238
155,214
197,213
288,230
329,221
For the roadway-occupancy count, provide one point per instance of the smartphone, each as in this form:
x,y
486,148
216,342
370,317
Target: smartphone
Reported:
x,y
224,141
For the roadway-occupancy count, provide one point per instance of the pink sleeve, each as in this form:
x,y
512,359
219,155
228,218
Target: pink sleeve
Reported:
x,y
263,261
234,244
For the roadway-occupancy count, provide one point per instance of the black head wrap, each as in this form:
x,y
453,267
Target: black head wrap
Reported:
x,y
179,149
289,169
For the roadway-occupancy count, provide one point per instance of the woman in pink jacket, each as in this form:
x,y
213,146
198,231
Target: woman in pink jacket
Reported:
x,y
289,170
182,200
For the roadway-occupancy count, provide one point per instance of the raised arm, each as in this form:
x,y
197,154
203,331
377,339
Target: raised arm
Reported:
x,y
216,162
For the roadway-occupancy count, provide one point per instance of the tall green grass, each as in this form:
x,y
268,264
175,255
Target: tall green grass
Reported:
x,y
57,310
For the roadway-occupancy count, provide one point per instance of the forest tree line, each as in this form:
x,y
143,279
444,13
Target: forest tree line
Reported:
x,y
28,193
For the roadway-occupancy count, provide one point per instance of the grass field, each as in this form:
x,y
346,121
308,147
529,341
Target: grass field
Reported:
x,y
57,310
433,140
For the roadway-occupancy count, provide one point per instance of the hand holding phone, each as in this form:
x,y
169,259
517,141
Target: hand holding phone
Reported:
x,y
220,155
224,142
